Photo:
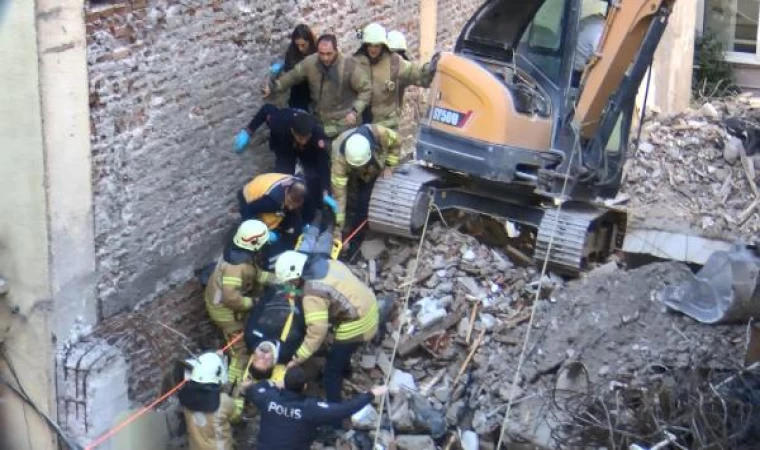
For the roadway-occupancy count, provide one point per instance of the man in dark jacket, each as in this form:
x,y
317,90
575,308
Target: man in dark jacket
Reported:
x,y
294,136
289,419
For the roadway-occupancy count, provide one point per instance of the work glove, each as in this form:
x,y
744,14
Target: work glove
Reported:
x,y
329,201
241,141
275,68
273,237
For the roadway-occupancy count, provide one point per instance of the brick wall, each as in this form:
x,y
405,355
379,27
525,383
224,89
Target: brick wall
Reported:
x,y
171,82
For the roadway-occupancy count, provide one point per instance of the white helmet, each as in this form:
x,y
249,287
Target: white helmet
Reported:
x,y
374,34
289,265
357,149
396,41
208,368
251,235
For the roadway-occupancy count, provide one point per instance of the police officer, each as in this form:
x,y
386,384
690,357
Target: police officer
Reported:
x,y
289,419
295,136
340,89
361,154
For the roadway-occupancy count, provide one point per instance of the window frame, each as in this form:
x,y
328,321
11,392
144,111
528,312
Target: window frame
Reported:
x,y
732,57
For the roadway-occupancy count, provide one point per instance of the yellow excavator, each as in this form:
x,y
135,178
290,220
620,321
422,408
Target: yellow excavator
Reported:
x,y
515,130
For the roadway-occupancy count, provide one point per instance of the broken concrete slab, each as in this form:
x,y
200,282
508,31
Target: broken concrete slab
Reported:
x,y
414,442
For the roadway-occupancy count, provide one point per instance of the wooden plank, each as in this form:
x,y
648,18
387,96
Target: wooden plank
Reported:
x,y
428,28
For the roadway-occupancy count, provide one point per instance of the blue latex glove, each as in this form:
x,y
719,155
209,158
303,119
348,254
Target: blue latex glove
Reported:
x,y
276,68
273,237
241,141
329,201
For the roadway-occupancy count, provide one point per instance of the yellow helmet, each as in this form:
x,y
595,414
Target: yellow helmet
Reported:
x,y
396,41
374,34
358,151
251,235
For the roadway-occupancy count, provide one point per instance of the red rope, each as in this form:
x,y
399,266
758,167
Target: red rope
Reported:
x,y
113,431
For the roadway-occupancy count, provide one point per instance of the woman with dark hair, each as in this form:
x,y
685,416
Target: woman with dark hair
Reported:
x,y
302,44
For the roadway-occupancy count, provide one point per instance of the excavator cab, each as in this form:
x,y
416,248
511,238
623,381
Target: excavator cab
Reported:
x,y
531,110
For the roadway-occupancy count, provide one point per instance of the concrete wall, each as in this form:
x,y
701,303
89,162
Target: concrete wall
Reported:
x,y
24,235
170,84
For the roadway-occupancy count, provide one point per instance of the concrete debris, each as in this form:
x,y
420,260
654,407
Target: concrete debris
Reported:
x,y
462,334
699,167
414,442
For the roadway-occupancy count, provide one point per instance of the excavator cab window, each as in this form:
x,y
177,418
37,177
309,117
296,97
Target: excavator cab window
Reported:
x,y
542,43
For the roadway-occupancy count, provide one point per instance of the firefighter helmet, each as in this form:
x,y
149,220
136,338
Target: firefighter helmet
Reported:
x,y
374,34
251,235
396,41
208,368
289,266
358,151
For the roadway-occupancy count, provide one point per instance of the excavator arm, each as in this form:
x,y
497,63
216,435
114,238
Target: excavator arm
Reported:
x,y
613,76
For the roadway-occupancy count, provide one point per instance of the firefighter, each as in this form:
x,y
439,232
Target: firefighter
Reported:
x,y
332,295
341,89
208,410
295,136
233,285
289,419
360,155
277,200
397,43
390,73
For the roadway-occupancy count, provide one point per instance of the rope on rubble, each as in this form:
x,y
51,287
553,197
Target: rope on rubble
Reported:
x,y
113,431
408,294
533,308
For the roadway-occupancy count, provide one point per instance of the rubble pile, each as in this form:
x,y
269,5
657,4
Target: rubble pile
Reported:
x,y
700,167
467,316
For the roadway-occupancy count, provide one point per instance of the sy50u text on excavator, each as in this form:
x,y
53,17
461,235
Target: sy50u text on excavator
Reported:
x,y
511,133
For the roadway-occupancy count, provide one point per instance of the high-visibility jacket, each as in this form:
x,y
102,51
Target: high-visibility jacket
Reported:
x,y
390,75
268,192
208,428
386,147
231,288
341,299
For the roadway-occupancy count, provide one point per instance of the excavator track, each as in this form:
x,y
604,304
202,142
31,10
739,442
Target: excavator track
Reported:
x,y
583,234
399,203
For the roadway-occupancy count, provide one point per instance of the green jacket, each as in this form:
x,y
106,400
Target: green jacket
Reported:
x,y
390,76
335,91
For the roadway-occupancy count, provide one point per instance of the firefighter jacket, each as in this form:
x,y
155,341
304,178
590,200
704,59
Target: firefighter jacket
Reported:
x,y
386,149
264,196
232,287
389,76
289,420
335,90
277,317
338,298
208,413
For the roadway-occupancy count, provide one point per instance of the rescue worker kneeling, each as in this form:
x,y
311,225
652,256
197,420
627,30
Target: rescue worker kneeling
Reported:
x,y
360,155
289,420
274,331
208,411
277,200
332,294
233,285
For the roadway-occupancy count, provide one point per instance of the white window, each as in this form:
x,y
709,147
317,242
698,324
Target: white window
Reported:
x,y
734,22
